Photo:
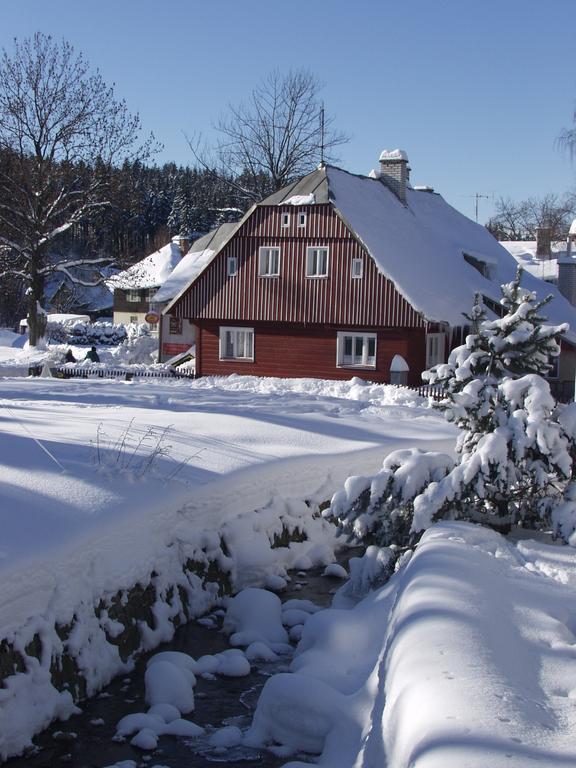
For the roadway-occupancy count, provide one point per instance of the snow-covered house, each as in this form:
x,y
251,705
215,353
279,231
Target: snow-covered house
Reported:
x,y
177,334
339,275
135,287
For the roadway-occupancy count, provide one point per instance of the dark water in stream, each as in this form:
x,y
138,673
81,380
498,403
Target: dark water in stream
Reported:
x,y
219,702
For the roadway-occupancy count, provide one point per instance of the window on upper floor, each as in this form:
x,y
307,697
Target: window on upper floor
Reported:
x,y
269,262
236,343
317,262
232,266
133,295
285,220
302,219
356,350
357,268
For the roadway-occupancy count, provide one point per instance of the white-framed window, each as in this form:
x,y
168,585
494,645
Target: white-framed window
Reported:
x,y
132,295
232,266
357,268
317,262
134,319
269,262
356,350
435,354
302,219
285,220
236,343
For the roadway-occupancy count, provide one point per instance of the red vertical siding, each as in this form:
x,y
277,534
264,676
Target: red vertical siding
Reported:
x,y
298,350
292,297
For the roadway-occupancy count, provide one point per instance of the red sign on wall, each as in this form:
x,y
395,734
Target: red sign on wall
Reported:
x,y
174,349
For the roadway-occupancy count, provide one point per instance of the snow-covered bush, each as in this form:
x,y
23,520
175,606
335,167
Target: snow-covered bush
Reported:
x,y
84,334
514,452
138,347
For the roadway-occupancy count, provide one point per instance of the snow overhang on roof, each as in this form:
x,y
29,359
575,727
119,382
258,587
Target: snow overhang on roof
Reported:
x,y
150,272
420,246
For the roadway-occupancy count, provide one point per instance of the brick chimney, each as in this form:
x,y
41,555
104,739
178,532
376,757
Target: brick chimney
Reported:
x,y
543,243
394,171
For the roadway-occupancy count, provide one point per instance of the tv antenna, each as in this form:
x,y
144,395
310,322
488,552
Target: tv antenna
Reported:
x,y
477,196
322,134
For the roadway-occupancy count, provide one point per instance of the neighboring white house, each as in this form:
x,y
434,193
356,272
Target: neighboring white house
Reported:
x,y
134,288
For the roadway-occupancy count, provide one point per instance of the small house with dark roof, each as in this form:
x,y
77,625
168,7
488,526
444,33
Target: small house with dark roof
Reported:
x,y
341,275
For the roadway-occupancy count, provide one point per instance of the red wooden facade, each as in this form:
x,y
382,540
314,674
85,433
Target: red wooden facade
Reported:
x,y
296,318
298,350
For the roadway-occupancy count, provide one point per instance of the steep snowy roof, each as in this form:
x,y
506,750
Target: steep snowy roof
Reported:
x,y
150,272
437,258
195,261
421,247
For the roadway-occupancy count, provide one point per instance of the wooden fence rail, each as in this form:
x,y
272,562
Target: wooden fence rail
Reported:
x,y
89,372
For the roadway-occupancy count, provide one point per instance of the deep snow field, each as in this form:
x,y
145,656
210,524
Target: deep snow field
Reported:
x,y
466,658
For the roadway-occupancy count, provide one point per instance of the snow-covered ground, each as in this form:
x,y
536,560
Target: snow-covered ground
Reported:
x,y
466,658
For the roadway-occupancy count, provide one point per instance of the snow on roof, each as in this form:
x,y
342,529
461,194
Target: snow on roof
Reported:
x,y
393,154
194,262
59,318
420,247
187,270
524,251
300,200
150,272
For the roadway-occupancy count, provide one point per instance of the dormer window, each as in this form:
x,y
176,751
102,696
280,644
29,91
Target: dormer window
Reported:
x,y
285,220
478,264
301,220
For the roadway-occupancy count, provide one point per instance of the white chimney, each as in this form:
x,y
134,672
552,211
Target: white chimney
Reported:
x,y
394,171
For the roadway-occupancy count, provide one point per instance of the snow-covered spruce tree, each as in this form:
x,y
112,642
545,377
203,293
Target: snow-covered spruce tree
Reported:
x,y
380,508
513,453
512,450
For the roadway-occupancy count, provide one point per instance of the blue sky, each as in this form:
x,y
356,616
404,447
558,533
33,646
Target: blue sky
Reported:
x,y
476,91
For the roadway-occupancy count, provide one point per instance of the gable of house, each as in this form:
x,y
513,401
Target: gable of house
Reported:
x,y
291,294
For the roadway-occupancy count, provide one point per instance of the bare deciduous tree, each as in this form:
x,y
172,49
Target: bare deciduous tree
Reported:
x,y
520,221
61,131
274,137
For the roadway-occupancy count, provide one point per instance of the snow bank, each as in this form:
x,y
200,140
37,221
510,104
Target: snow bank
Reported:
x,y
466,657
222,498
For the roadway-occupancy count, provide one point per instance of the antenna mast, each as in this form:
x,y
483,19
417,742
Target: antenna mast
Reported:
x,y
322,134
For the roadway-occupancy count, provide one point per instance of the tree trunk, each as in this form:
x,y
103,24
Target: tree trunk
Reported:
x,y
36,315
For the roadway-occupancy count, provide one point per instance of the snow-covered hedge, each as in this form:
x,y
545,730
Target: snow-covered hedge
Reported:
x,y
80,333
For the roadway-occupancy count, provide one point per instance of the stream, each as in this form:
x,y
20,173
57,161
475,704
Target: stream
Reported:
x,y
86,740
